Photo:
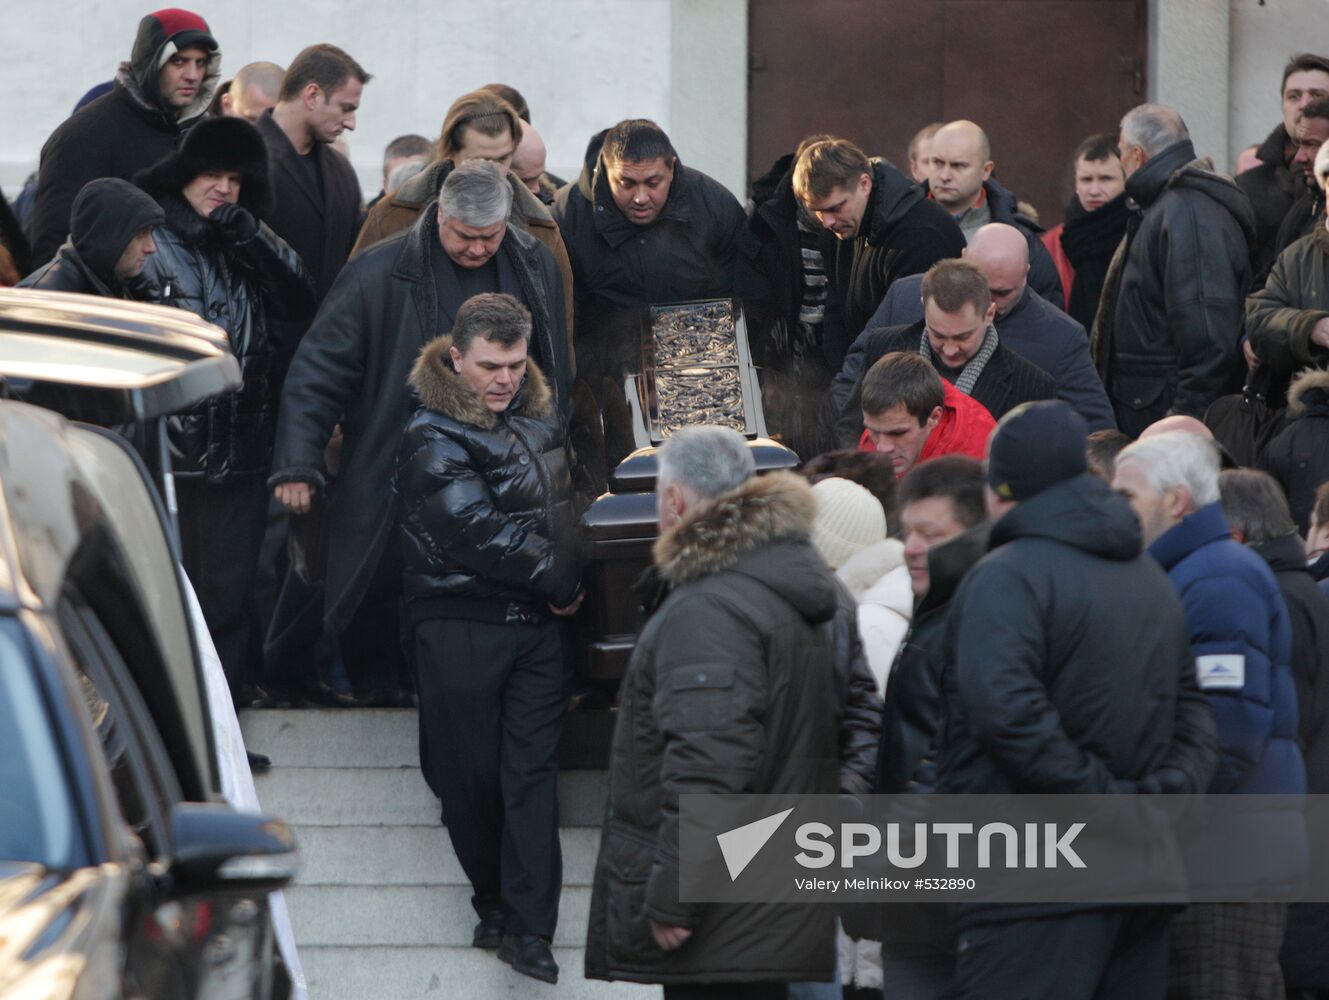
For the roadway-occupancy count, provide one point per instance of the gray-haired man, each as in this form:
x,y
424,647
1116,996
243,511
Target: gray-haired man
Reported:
x,y
352,366
731,688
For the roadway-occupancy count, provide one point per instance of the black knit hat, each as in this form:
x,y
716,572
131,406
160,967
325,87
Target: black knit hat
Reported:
x,y
1035,446
216,144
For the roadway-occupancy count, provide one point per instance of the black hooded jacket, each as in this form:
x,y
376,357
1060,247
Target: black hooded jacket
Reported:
x,y
1068,661
117,135
1167,333
107,214
698,247
731,689
1298,457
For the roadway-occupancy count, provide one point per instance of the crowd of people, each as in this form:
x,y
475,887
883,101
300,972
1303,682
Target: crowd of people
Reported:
x,y
1062,508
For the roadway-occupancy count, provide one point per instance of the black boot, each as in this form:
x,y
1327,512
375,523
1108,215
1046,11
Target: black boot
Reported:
x,y
529,955
489,931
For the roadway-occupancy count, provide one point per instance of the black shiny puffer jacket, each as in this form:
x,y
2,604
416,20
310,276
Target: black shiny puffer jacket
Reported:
x,y
239,288
484,500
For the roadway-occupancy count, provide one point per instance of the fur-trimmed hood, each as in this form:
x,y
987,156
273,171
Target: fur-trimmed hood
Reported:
x,y
764,509
1311,380
439,388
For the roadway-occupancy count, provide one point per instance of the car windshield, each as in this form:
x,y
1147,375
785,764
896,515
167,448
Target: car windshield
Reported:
x,y
37,819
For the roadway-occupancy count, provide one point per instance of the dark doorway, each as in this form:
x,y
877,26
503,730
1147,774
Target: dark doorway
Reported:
x,y
1038,75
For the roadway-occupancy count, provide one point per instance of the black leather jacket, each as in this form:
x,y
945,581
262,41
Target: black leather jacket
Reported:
x,y
239,288
1171,334
484,501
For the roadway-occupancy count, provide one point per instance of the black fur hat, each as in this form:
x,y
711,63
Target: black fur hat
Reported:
x,y
216,144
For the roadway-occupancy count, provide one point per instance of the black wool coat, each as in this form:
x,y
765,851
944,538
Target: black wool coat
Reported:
x,y
352,367
1272,188
321,230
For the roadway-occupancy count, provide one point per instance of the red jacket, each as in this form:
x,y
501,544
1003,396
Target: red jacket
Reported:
x,y
1052,240
964,429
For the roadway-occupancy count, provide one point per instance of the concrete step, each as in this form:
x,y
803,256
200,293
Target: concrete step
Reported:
x,y
412,855
432,973
334,737
396,796
389,737
415,916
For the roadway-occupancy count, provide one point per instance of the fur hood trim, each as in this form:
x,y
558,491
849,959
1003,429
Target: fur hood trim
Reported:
x,y
436,382
1310,378
759,511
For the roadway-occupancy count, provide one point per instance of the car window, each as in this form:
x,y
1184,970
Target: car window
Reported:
x,y
140,768
38,822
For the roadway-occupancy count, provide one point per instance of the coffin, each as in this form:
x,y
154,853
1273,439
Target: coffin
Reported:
x,y
693,367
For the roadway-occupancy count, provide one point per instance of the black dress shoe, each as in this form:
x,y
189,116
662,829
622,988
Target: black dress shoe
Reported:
x,y
259,763
529,955
322,695
489,931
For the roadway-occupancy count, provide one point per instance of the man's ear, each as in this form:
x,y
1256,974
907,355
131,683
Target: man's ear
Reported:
x,y
934,418
1179,503
992,311
987,170
310,95
456,358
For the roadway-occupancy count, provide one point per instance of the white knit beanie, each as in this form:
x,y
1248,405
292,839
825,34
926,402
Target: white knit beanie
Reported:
x,y
849,518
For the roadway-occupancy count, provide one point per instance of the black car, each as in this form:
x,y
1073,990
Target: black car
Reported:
x,y
122,874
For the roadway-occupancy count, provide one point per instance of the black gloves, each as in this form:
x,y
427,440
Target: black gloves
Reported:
x,y
235,223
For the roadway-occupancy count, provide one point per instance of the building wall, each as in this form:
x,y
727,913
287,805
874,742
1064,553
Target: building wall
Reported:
x,y
581,64
1263,37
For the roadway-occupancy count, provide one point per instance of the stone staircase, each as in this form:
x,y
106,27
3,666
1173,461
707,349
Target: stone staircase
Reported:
x,y
381,908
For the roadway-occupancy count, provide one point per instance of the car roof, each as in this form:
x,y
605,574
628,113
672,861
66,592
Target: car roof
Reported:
x,y
109,360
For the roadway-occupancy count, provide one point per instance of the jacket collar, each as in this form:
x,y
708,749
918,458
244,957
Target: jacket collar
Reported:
x,y
761,510
947,565
1146,184
286,159
1206,526
1284,555
615,228
440,389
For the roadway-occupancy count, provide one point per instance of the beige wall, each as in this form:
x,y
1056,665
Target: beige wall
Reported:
x,y
582,65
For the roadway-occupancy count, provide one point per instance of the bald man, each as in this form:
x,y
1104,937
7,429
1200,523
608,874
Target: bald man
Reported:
x,y
253,91
960,180
528,163
1027,323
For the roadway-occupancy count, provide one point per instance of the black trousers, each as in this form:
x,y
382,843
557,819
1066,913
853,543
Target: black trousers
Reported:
x,y
221,531
372,645
1099,955
727,991
492,701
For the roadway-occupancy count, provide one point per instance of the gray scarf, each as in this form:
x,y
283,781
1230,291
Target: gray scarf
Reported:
x,y
974,367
